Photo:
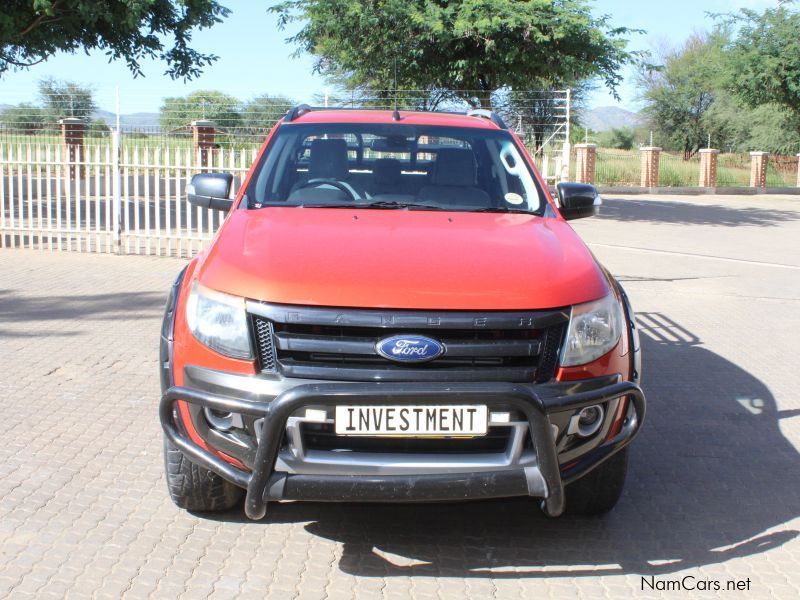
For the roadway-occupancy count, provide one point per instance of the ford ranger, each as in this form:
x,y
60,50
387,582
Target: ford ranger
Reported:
x,y
395,309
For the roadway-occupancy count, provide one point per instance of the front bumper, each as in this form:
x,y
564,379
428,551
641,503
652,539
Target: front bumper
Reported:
x,y
544,479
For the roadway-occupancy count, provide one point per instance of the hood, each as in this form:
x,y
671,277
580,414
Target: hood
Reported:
x,y
401,259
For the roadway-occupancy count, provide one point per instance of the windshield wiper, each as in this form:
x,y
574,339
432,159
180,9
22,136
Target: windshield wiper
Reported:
x,y
394,205
502,209
391,204
380,204
320,205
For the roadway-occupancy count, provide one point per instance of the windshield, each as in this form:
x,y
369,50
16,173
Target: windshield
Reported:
x,y
394,166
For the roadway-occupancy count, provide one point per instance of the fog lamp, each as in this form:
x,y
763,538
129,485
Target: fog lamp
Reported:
x,y
588,420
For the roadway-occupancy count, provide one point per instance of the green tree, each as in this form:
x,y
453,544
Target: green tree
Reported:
x,y
58,100
680,91
210,105
741,128
477,46
621,139
422,98
262,112
98,128
773,128
24,118
537,113
62,99
739,85
33,30
765,58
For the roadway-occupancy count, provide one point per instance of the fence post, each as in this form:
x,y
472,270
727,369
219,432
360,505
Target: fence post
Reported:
x,y
585,160
758,169
650,160
798,170
708,168
72,131
116,212
566,150
203,137
546,167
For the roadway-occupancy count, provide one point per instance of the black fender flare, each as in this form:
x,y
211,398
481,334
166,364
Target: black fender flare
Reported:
x,y
168,332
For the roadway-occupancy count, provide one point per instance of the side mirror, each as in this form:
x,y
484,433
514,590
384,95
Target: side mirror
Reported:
x,y
211,190
578,200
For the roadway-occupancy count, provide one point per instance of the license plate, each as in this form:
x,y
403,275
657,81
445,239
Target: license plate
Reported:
x,y
412,421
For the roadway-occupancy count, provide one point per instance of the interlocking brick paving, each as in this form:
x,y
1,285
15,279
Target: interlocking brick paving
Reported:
x,y
714,482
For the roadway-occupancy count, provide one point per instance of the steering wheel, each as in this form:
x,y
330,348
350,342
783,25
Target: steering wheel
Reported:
x,y
342,186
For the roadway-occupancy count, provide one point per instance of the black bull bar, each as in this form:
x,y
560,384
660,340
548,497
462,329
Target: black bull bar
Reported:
x,y
263,483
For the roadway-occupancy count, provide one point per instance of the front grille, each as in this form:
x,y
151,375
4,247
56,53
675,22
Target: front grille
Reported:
x,y
548,361
339,344
264,342
321,436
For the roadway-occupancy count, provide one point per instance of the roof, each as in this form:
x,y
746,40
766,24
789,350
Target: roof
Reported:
x,y
340,115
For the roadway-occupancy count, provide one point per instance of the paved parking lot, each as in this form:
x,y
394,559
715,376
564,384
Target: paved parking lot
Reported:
x,y
713,490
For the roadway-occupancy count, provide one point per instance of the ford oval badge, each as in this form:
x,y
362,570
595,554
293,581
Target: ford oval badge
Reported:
x,y
409,348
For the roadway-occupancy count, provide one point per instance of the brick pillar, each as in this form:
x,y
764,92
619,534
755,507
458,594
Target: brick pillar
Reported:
x,y
585,160
72,132
203,137
758,169
650,158
708,168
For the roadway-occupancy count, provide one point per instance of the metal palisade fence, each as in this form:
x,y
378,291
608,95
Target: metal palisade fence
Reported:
x,y
114,182
108,199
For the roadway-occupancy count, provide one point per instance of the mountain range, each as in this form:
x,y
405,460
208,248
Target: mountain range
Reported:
x,y
140,120
605,118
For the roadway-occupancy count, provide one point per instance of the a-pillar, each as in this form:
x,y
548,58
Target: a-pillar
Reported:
x,y
708,168
650,158
758,169
585,161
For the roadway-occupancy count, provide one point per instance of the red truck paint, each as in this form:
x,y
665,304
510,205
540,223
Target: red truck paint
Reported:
x,y
372,258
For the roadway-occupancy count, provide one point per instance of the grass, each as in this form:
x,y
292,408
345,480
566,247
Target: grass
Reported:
x,y
618,167
623,168
675,172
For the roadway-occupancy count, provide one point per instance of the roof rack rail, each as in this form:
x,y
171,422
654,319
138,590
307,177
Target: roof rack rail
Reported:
x,y
487,114
296,111
299,110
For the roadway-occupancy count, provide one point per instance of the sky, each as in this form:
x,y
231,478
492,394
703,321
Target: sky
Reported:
x,y
254,57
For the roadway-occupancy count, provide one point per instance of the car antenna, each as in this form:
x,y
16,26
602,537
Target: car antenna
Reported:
x,y
395,113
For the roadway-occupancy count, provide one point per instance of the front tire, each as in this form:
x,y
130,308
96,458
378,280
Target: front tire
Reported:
x,y
598,492
195,488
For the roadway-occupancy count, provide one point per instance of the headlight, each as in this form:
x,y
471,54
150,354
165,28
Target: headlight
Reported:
x,y
219,321
594,329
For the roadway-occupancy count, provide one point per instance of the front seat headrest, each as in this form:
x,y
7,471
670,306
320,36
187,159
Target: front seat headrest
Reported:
x,y
455,167
328,159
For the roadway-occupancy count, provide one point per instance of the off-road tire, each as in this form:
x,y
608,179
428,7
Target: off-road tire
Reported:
x,y
194,488
597,492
